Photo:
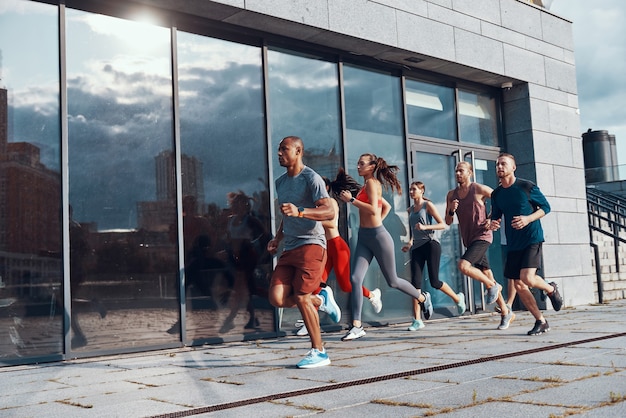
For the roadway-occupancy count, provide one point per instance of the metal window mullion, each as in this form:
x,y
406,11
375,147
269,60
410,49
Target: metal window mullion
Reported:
x,y
179,184
65,189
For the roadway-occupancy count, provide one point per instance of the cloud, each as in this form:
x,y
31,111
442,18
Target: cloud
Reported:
x,y
600,51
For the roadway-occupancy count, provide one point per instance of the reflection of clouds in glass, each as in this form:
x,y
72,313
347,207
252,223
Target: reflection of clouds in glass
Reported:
x,y
119,115
211,56
42,99
298,72
32,79
373,101
125,79
134,34
304,101
22,7
222,119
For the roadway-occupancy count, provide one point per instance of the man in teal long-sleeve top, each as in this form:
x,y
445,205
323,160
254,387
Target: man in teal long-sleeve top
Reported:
x,y
522,204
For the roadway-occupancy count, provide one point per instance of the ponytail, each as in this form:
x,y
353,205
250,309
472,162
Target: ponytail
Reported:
x,y
342,182
386,174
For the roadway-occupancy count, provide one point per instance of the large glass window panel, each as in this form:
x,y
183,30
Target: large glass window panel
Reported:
x,y
304,101
430,110
374,124
478,122
123,260
31,292
226,217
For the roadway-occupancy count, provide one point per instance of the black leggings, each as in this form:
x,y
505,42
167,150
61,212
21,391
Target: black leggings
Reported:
x,y
427,253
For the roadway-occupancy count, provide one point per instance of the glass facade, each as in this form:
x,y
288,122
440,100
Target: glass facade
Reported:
x,y
153,234
374,124
123,264
430,110
303,96
31,267
478,122
225,194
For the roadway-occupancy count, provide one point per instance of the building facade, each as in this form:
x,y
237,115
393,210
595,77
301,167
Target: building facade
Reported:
x,y
138,153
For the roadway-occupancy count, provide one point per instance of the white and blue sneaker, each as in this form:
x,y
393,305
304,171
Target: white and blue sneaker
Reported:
x,y
461,305
417,324
329,305
314,358
427,306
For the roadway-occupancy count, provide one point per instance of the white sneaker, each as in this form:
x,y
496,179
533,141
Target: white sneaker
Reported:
x,y
375,300
353,334
302,332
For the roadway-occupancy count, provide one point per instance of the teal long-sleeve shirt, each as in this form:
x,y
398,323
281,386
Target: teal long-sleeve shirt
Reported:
x,y
521,198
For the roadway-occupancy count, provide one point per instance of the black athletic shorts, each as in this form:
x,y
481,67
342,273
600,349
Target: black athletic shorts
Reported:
x,y
476,254
529,257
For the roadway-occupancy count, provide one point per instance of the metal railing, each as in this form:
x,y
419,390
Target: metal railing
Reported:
x,y
607,215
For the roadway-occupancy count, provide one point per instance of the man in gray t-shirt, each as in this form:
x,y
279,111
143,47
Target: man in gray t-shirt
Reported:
x,y
303,202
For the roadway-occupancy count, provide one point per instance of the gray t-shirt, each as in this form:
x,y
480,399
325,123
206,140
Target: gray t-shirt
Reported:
x,y
304,190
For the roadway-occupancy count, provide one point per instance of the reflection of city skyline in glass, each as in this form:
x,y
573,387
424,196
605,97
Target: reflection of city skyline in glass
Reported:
x,y
29,190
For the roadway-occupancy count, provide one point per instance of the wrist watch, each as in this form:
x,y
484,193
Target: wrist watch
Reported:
x,y
352,199
300,212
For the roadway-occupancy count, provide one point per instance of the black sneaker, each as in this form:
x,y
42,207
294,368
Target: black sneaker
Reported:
x,y
555,297
539,328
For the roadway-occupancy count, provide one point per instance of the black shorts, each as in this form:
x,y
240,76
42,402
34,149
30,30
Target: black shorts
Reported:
x,y
529,257
476,254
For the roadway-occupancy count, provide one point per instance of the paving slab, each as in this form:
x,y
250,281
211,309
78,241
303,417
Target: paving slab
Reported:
x,y
455,367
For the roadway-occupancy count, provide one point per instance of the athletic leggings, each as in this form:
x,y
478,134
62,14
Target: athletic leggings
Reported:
x,y
376,242
339,260
430,253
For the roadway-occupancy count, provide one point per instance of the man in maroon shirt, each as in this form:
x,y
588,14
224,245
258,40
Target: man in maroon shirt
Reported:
x,y
467,200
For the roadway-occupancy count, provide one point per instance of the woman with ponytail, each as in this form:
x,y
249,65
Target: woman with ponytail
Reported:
x,y
337,250
373,239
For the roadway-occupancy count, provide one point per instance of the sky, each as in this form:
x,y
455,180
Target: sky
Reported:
x,y
600,53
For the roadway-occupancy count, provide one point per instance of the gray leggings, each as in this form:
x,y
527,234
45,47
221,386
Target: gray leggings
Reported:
x,y
375,242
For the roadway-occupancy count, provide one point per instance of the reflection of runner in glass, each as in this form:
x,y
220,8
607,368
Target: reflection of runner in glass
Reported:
x,y
374,240
338,250
246,239
80,252
425,248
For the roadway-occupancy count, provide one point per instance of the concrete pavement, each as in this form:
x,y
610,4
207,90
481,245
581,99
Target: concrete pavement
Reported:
x,y
456,367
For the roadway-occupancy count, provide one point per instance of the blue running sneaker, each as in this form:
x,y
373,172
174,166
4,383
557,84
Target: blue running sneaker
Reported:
x,y
461,305
329,305
314,358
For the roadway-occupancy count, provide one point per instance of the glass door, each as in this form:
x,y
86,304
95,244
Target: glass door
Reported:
x,y
433,164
